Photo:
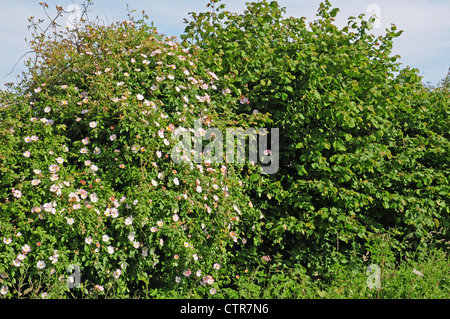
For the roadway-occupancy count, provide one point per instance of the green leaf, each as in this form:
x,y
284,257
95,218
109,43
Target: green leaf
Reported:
x,y
316,95
254,177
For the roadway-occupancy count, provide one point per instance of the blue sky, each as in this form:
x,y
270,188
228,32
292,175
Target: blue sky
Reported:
x,y
425,43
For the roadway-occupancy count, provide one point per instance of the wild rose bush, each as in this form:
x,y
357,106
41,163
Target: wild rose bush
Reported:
x,y
87,176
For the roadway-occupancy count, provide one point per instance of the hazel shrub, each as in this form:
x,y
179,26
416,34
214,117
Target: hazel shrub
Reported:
x,y
87,176
364,143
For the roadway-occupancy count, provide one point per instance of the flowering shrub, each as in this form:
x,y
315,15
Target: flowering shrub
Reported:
x,y
99,192
87,177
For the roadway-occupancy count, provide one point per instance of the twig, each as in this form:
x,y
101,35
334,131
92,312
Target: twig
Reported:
x,y
18,62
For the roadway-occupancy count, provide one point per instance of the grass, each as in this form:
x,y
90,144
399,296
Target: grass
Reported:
x,y
427,277
423,275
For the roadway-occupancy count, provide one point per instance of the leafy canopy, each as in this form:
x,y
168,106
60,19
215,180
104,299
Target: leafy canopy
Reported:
x,y
363,143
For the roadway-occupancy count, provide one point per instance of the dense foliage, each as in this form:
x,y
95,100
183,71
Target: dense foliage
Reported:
x,y
364,146
88,178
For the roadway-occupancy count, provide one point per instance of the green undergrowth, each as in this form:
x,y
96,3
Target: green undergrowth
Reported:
x,y
423,275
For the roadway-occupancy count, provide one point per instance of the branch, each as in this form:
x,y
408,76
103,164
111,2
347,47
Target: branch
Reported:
x,y
18,62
